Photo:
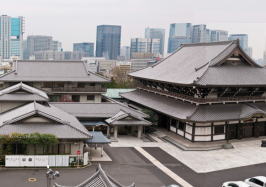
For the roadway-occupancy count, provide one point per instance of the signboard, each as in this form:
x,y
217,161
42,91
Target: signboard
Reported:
x,y
36,160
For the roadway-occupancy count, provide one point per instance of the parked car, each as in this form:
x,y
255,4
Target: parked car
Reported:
x,y
259,181
235,184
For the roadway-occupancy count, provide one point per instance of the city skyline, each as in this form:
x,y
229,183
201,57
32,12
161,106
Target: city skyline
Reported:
x,y
238,21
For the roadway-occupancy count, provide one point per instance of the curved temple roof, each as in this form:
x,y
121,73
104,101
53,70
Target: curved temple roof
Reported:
x,y
32,94
196,113
55,71
99,179
204,64
62,125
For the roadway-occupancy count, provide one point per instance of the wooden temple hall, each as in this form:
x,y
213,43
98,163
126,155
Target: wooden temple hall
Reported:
x,y
205,92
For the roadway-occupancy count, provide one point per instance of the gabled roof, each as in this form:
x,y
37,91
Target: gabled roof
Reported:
x,y
60,71
204,64
96,110
190,112
122,118
64,125
99,179
32,94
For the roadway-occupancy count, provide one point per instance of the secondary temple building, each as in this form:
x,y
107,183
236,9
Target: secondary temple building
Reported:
x,y
68,86
205,92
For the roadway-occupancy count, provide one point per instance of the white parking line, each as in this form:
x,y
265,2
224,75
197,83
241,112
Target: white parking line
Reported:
x,y
164,169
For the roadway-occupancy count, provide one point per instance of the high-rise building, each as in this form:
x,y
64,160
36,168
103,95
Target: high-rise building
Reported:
x,y
219,35
36,43
85,47
144,48
200,34
243,41
180,33
156,33
11,36
108,41
125,52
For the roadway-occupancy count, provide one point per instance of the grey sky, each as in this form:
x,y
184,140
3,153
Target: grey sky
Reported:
x,y
75,20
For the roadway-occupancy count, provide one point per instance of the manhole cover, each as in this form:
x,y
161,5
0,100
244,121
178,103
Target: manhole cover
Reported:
x,y
32,179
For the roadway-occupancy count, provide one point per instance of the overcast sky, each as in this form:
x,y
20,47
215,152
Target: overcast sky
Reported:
x,y
72,21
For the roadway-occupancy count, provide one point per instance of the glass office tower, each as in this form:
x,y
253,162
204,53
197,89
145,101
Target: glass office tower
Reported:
x,y
11,36
108,41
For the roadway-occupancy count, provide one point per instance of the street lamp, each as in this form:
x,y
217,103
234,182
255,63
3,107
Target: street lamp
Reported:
x,y
51,175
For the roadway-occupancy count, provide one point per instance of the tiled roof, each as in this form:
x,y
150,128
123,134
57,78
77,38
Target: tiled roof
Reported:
x,y
96,110
202,64
64,125
120,119
196,113
99,179
13,93
61,71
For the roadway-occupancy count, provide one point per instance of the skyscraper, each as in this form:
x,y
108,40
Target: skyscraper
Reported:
x,y
37,43
144,48
108,41
243,40
180,33
85,47
156,33
11,36
219,35
200,34
125,52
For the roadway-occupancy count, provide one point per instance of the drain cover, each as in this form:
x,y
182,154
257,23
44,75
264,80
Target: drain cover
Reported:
x,y
32,180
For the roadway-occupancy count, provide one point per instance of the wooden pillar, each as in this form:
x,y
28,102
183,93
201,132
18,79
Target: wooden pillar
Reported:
x,y
140,131
108,131
115,131
193,132
212,129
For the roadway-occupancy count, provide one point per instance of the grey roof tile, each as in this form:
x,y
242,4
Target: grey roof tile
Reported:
x,y
67,125
199,64
35,71
197,113
96,110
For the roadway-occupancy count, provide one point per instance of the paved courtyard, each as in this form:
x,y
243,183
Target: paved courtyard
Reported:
x,y
127,166
245,153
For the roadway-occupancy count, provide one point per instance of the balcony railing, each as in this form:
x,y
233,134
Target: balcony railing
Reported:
x,y
69,89
192,99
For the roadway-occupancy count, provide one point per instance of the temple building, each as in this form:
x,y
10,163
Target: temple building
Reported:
x,y
69,86
64,81
205,92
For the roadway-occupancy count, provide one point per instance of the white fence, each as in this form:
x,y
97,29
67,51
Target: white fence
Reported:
x,y
36,160
44,160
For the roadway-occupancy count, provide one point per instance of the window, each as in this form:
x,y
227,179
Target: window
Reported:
x,y
256,181
81,85
173,123
90,97
181,126
218,129
48,85
75,98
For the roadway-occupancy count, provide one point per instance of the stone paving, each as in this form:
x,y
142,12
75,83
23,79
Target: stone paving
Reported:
x,y
245,153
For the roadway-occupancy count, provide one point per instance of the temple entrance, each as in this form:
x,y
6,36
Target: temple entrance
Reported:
x,y
164,121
